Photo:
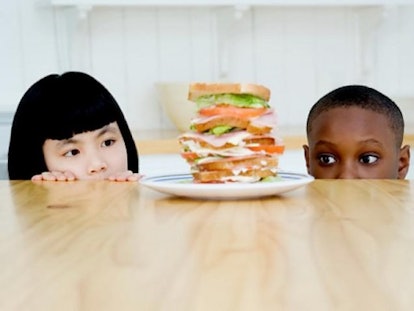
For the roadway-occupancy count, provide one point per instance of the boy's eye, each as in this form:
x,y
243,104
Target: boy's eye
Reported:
x,y
368,159
71,153
108,142
326,159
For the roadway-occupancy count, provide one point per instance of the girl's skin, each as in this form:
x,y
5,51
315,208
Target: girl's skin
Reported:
x,y
96,155
69,127
354,143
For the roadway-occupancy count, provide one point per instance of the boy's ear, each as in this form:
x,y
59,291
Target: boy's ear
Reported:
x,y
306,155
403,162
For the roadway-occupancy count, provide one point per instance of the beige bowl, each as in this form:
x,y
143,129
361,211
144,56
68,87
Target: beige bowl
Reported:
x,y
173,98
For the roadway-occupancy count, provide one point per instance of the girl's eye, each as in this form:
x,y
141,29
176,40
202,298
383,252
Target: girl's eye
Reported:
x,y
368,159
326,159
108,142
71,153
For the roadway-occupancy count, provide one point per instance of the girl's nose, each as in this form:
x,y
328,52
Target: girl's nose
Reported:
x,y
97,166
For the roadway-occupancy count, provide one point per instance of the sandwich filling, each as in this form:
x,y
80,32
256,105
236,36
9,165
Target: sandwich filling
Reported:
x,y
231,139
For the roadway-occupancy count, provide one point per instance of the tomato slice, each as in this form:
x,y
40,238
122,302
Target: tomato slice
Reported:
x,y
189,156
228,110
268,148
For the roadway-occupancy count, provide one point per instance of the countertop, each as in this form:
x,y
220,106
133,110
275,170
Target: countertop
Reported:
x,y
330,245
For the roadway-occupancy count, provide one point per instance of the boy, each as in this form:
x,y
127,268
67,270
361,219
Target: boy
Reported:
x,y
356,132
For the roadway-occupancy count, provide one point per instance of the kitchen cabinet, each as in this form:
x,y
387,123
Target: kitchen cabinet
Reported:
x,y
299,49
228,2
84,6
6,119
286,45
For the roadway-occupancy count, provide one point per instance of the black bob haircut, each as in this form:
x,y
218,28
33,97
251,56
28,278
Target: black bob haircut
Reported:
x,y
58,107
362,97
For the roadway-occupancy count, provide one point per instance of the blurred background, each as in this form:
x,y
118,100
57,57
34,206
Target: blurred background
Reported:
x,y
300,49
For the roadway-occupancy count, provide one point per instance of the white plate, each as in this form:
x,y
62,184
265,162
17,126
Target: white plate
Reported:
x,y
182,185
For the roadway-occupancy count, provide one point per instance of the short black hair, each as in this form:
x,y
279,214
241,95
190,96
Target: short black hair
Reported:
x,y
58,107
362,97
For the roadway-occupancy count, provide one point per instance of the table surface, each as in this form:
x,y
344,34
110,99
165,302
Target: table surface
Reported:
x,y
330,245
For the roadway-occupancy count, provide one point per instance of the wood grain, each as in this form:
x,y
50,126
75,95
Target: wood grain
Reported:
x,y
331,245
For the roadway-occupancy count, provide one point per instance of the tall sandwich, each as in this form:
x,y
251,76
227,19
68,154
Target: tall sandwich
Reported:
x,y
232,137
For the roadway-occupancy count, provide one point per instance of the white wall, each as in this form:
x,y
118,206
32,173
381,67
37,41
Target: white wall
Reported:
x,y
300,53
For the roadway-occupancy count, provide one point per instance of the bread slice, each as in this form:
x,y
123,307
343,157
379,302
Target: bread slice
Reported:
x,y
222,176
249,141
199,89
258,130
209,123
244,163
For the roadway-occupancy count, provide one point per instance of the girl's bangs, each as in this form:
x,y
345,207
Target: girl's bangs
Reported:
x,y
83,118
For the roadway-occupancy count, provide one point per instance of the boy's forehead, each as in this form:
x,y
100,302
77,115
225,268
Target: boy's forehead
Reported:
x,y
350,121
352,113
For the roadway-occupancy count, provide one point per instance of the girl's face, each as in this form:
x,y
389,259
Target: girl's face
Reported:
x,y
91,155
355,143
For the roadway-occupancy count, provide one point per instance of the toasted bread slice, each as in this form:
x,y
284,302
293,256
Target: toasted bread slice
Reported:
x,y
260,140
258,130
244,163
229,175
208,123
199,89
250,141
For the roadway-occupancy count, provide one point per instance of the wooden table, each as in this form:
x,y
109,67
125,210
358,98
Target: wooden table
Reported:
x,y
331,245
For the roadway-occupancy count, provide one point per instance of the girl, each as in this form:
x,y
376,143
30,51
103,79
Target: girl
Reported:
x,y
69,127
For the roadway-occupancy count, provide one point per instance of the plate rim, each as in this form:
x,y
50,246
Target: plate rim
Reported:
x,y
222,189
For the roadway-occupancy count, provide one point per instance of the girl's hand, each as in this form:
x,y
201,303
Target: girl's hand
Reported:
x,y
68,176
54,176
125,176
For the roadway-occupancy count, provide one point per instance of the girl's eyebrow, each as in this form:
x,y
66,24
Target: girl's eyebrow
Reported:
x,y
64,142
107,129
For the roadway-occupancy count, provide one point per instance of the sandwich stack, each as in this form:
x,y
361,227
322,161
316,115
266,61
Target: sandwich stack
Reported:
x,y
232,138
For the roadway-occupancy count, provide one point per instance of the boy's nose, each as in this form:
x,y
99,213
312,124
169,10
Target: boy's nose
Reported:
x,y
347,171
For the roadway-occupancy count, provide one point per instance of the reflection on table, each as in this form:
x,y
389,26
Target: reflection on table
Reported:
x,y
330,245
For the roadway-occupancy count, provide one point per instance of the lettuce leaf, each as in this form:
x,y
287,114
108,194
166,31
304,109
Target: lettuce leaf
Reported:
x,y
238,100
220,130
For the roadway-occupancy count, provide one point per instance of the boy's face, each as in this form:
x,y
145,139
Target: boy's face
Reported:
x,y
89,156
354,143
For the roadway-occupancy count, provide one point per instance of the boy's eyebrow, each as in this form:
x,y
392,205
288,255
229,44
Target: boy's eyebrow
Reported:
x,y
370,141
